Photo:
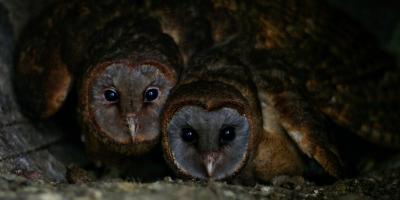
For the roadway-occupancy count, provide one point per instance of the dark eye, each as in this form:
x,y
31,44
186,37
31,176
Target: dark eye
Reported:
x,y
189,135
227,134
150,94
111,95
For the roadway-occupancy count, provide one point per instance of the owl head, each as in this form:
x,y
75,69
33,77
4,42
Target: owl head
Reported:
x,y
207,130
123,92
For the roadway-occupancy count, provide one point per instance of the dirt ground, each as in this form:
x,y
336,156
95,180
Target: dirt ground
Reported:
x,y
383,184
34,155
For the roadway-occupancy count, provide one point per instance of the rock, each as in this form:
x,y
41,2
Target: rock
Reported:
x,y
24,145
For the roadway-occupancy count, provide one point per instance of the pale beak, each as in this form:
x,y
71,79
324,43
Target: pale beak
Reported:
x,y
210,160
132,124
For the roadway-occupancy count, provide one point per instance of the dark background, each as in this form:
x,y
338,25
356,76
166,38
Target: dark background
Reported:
x,y
381,18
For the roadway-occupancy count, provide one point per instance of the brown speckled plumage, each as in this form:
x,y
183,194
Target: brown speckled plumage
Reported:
x,y
299,65
212,90
310,67
85,47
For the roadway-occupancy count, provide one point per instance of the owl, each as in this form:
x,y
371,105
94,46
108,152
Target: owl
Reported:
x,y
268,98
113,58
213,126
116,61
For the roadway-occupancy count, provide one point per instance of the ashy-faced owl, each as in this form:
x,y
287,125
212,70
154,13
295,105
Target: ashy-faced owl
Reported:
x,y
208,144
270,101
121,100
212,127
121,68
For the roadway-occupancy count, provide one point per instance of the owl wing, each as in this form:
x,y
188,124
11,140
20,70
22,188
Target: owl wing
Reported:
x,y
359,90
285,110
42,79
339,65
314,65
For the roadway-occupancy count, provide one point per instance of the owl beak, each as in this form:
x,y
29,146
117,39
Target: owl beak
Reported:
x,y
131,120
210,160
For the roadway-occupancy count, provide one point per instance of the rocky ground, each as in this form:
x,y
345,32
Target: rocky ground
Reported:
x,y
383,184
34,156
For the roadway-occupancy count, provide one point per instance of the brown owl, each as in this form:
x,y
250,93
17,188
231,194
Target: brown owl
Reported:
x,y
267,99
213,127
117,60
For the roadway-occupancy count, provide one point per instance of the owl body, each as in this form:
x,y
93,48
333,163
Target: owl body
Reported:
x,y
278,71
208,85
217,93
118,61
307,76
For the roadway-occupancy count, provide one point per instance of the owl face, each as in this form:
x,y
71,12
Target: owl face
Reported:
x,y
208,144
125,101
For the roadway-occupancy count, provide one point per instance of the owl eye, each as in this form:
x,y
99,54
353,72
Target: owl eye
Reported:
x,y
150,94
227,134
111,95
189,135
